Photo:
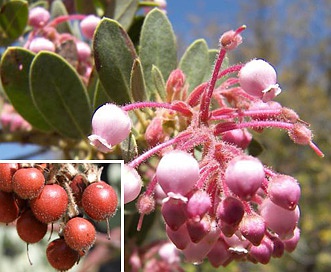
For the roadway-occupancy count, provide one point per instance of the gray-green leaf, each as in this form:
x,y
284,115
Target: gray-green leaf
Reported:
x,y
60,95
157,46
114,55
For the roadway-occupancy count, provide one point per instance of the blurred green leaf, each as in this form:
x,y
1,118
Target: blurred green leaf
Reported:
x,y
15,69
255,148
59,9
13,20
157,46
195,63
125,11
114,55
135,29
159,84
85,6
60,95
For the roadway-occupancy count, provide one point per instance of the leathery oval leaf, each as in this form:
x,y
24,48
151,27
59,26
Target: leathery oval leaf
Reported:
x,y
15,69
114,55
60,95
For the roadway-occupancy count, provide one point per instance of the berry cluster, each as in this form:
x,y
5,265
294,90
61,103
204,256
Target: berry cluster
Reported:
x,y
218,201
35,196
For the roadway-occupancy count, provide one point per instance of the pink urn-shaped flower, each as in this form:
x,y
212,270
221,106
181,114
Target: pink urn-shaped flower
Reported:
x,y
177,172
244,176
110,126
258,78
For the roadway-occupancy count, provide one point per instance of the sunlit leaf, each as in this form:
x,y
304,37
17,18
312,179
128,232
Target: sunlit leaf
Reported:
x,y
114,55
157,46
195,63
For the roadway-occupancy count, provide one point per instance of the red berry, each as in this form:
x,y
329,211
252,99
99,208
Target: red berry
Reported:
x,y
99,200
7,171
79,234
51,204
60,255
29,228
78,186
28,182
8,207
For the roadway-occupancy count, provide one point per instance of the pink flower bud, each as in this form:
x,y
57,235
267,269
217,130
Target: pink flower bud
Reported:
x,y
83,51
258,78
197,229
262,253
230,210
291,244
177,172
110,126
253,228
88,25
196,252
145,204
38,17
132,183
174,212
154,133
284,191
279,247
300,134
175,85
41,44
238,137
281,221
198,204
230,40
244,176
219,254
179,237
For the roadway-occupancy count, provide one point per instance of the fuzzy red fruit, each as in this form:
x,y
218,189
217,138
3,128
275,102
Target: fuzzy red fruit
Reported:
x,y
79,234
29,228
8,208
50,205
99,201
28,182
60,255
7,171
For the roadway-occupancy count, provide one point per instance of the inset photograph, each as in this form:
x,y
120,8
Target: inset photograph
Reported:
x,y
60,215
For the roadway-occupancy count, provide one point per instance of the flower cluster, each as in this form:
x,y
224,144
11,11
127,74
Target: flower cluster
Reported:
x,y
218,202
45,36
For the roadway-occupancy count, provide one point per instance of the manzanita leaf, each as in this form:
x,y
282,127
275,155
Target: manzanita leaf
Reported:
x,y
15,69
100,96
59,9
13,20
159,84
60,95
157,46
137,83
125,11
84,6
129,148
114,55
195,63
